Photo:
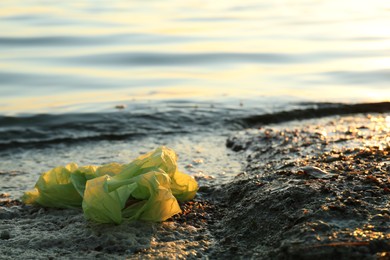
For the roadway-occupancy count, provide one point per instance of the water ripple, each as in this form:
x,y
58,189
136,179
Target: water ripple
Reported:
x,y
176,59
77,40
41,83
220,58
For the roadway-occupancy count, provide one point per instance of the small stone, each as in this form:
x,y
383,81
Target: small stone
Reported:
x,y
120,106
5,235
198,161
316,172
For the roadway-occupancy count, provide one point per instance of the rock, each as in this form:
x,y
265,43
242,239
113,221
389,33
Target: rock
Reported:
x,y
5,235
316,172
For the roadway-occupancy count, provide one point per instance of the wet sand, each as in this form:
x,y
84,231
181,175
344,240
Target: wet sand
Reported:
x,y
310,189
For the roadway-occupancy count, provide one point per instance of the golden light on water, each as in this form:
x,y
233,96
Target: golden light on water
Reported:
x,y
312,50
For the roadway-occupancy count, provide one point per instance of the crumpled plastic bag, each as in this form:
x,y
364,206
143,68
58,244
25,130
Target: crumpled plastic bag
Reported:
x,y
147,188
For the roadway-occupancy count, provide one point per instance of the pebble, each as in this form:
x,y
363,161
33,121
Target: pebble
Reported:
x,y
316,172
120,106
198,161
5,235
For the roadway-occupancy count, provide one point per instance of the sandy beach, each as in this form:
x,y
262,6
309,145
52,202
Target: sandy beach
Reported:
x,y
316,188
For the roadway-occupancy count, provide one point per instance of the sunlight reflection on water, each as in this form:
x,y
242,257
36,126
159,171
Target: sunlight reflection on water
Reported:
x,y
119,50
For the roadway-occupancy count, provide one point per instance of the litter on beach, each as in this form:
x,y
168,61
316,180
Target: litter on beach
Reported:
x,y
148,188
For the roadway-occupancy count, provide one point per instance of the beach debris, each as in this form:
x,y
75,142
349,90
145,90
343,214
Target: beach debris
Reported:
x,y
148,188
120,106
6,201
188,166
316,172
241,174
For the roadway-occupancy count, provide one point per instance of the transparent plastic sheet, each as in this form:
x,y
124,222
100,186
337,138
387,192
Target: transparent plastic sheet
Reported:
x,y
147,188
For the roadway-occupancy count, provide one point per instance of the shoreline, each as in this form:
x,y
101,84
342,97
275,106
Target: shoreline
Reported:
x,y
278,208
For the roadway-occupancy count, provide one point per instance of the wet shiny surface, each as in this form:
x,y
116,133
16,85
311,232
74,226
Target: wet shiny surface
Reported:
x,y
75,55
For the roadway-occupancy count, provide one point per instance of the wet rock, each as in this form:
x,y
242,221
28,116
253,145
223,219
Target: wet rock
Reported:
x,y
234,145
316,172
323,192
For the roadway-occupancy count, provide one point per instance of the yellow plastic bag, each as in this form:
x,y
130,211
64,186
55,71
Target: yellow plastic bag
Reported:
x,y
54,188
147,188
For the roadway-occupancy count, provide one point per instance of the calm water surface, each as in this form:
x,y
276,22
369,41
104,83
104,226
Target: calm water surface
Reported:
x,y
78,56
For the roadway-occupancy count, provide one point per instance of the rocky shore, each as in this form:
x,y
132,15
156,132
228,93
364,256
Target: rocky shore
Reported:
x,y
316,189
309,189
